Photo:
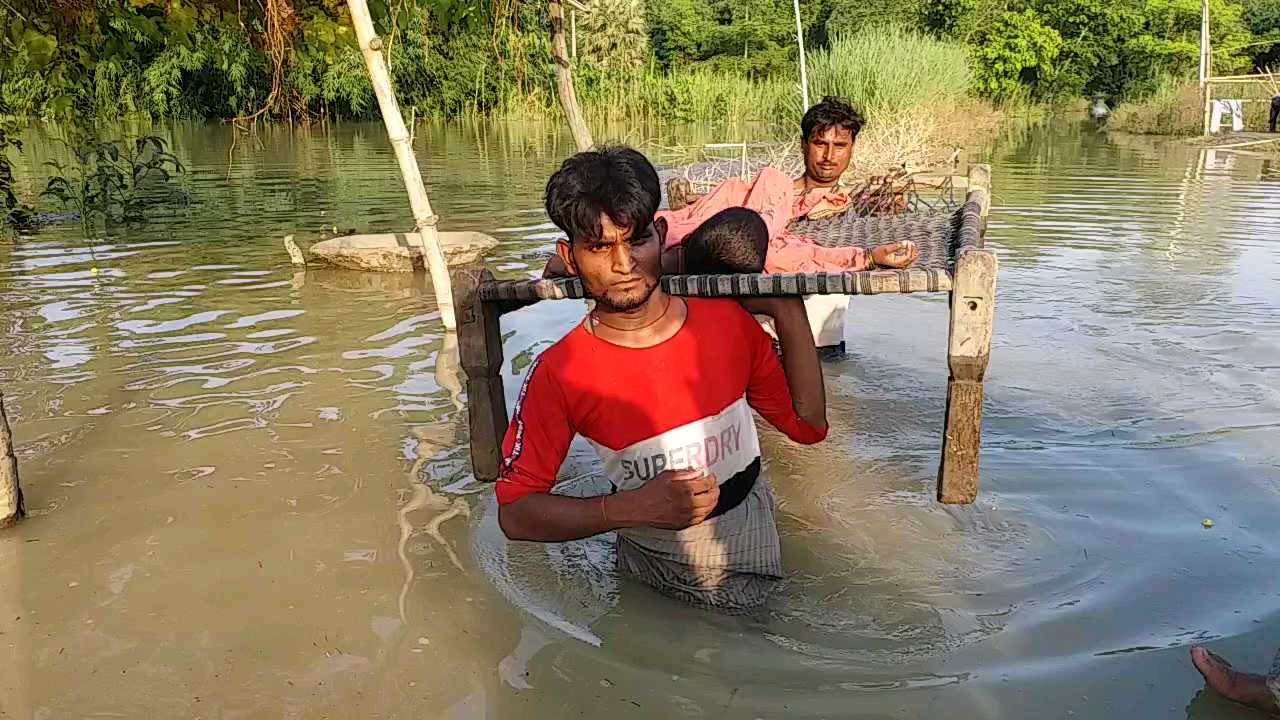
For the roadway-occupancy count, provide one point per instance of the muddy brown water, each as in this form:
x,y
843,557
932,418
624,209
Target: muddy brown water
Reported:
x,y
250,492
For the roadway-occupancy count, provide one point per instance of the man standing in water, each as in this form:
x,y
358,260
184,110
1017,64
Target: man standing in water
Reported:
x,y
828,132
663,387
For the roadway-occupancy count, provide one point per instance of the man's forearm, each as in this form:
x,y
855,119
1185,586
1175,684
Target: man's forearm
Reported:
x,y
546,517
800,361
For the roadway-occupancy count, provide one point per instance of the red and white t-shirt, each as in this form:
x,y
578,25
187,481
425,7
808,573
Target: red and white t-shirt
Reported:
x,y
682,403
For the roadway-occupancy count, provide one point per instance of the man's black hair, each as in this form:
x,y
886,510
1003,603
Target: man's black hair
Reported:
x,y
831,112
615,179
733,240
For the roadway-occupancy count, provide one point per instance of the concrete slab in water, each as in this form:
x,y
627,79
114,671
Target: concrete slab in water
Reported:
x,y
398,252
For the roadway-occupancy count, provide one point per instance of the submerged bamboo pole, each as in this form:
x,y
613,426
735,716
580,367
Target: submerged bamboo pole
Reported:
x,y
424,219
564,80
11,510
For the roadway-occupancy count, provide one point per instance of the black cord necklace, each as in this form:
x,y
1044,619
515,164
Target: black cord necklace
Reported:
x,y
595,320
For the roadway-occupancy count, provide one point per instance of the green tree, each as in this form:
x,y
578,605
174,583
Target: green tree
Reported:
x,y
1094,34
1169,44
1262,17
1018,52
964,20
614,34
676,30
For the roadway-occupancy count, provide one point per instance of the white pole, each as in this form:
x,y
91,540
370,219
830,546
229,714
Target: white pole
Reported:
x,y
573,23
424,219
804,76
1206,65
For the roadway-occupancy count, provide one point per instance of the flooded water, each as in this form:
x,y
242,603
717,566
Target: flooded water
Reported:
x,y
250,492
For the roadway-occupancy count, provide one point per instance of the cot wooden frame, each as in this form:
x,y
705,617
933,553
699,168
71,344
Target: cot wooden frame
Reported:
x,y
481,300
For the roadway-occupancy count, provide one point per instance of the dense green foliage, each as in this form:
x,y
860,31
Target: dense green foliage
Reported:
x,y
296,59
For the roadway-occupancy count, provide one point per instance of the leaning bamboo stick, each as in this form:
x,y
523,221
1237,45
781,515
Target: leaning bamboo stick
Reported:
x,y
564,81
424,219
11,510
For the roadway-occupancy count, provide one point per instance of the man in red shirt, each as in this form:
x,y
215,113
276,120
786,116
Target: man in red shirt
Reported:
x,y
663,388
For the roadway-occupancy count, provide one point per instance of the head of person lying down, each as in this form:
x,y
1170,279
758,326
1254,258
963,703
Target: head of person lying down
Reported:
x,y
734,240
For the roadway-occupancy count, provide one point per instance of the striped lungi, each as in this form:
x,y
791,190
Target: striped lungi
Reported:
x,y
728,563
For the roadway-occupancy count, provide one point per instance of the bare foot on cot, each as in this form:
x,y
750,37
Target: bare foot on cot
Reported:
x,y
1244,688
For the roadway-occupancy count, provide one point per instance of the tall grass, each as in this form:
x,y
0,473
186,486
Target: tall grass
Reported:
x,y
690,95
1174,108
648,95
888,72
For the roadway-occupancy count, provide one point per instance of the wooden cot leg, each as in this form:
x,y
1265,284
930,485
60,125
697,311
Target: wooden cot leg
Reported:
x,y
968,346
480,353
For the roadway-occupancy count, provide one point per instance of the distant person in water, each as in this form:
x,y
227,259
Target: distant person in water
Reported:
x,y
1275,112
664,389
1256,691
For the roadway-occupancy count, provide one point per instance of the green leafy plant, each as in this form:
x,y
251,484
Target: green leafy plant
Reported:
x,y
12,212
117,185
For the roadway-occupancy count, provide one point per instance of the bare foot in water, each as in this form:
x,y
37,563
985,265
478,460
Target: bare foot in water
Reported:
x,y
1244,688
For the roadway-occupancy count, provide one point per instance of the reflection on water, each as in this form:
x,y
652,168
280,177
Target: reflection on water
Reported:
x,y
251,496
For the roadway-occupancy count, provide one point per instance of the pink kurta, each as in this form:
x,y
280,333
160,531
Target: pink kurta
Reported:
x,y
771,194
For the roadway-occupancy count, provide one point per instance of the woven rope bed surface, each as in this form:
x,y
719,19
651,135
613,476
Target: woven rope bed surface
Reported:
x,y
938,236
933,233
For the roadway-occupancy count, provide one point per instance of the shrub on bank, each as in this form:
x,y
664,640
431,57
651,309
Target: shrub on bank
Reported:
x,y
1175,107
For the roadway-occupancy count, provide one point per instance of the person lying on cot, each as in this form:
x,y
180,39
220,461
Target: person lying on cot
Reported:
x,y
664,389
734,240
828,133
